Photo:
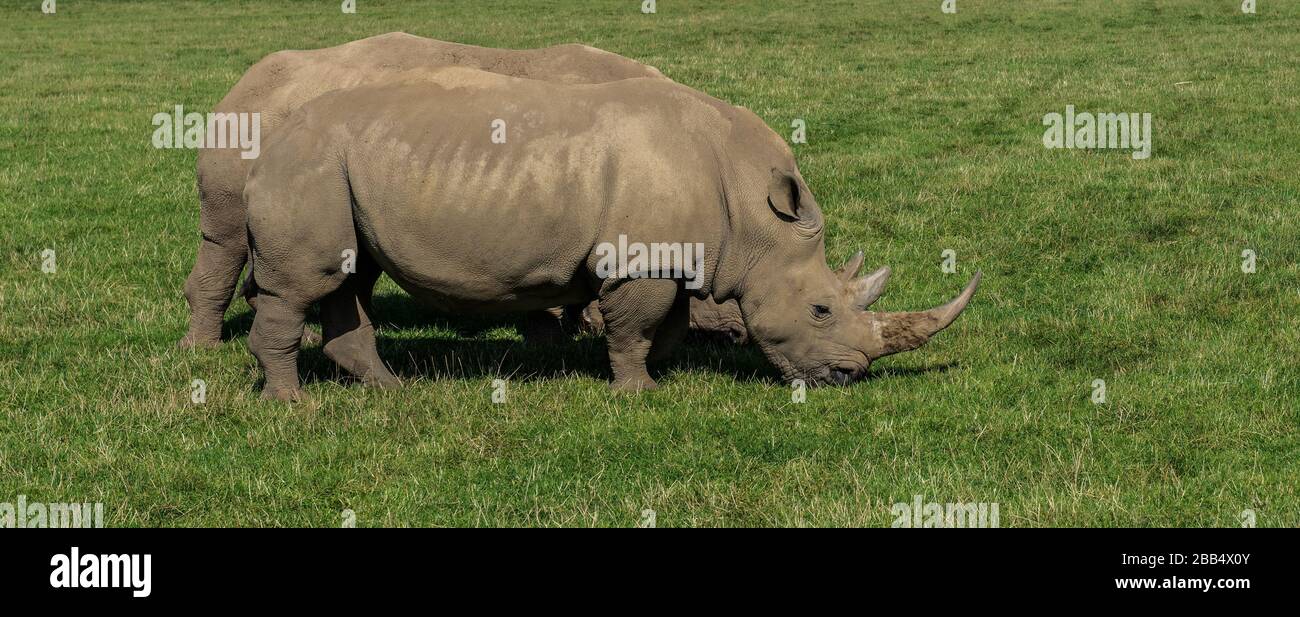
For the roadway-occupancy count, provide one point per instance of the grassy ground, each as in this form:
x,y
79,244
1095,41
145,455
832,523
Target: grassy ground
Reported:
x,y
924,134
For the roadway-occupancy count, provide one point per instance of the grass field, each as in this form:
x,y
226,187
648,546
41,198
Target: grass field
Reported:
x,y
924,135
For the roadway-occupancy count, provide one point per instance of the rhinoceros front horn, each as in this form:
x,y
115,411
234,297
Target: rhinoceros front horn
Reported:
x,y
899,332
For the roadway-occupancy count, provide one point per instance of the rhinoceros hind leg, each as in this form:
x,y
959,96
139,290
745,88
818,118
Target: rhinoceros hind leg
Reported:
x,y
349,334
274,340
633,311
303,243
209,289
310,337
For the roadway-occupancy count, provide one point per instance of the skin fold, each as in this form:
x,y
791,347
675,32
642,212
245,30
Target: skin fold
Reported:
x,y
419,189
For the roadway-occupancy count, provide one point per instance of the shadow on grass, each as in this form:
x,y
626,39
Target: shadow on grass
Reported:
x,y
440,357
236,324
461,351
909,371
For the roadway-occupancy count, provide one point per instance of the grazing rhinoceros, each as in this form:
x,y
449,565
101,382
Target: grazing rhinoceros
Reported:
x,y
481,192
283,81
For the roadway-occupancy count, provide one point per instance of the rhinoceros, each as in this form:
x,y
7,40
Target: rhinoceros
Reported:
x,y
477,192
283,81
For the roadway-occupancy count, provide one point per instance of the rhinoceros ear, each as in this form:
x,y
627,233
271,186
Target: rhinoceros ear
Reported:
x,y
791,200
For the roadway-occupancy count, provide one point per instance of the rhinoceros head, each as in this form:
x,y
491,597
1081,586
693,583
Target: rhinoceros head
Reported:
x,y
810,322
724,319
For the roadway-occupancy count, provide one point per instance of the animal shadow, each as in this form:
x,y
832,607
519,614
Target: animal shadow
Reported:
x,y
472,347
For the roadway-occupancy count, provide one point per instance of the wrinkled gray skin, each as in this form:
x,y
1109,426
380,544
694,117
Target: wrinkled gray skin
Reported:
x,y
283,81
416,186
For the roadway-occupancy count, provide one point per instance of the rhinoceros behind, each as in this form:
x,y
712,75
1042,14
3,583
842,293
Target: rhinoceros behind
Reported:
x,y
422,188
708,316
283,81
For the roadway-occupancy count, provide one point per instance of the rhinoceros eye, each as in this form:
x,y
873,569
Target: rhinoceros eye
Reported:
x,y
821,311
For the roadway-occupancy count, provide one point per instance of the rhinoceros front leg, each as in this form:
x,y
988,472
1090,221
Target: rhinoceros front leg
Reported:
x,y
633,311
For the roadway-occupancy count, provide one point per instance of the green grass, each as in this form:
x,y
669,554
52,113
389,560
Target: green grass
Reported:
x,y
924,135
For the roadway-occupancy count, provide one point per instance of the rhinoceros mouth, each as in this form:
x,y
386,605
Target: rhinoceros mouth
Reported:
x,y
844,374
832,373
840,373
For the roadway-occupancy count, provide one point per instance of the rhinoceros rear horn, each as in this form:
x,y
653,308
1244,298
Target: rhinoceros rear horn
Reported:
x,y
899,332
867,289
850,268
